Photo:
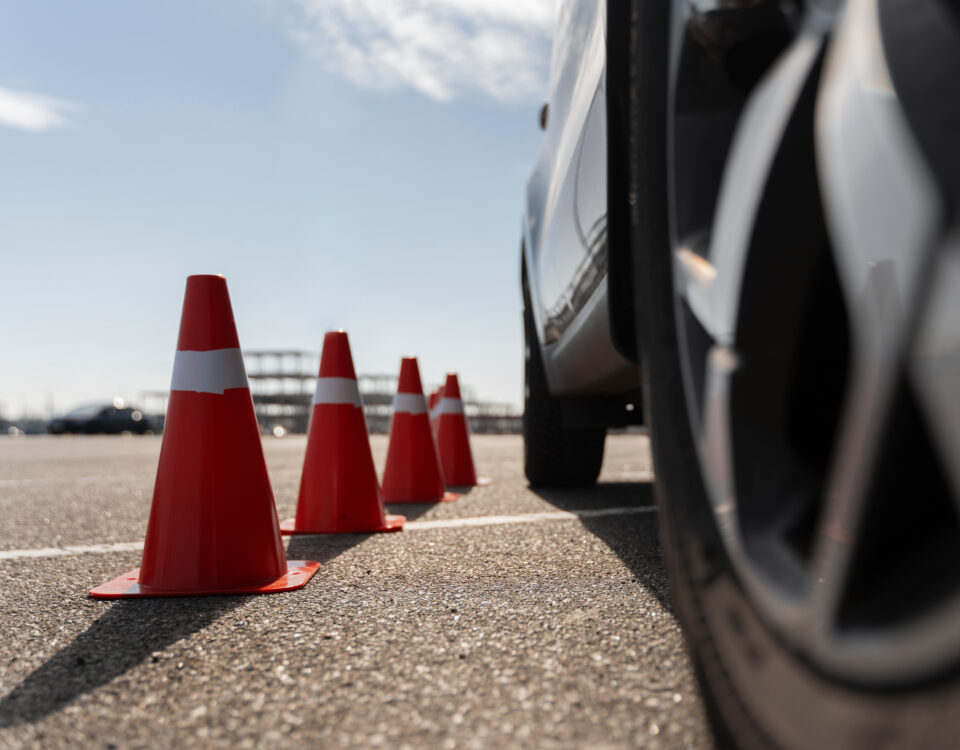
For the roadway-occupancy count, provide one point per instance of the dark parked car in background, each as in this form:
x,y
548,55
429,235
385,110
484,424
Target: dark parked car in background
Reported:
x,y
108,419
750,210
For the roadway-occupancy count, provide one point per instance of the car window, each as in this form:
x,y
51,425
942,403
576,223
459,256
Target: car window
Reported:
x,y
85,412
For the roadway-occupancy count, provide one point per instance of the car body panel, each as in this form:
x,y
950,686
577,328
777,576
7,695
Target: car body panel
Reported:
x,y
565,222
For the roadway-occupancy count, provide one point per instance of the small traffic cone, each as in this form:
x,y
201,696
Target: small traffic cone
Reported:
x,y
213,524
453,439
339,492
412,473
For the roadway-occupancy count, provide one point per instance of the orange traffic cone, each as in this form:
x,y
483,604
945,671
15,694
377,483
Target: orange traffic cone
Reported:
x,y
412,474
213,524
453,439
339,492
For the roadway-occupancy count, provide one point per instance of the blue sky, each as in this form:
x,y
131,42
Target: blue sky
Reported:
x,y
344,163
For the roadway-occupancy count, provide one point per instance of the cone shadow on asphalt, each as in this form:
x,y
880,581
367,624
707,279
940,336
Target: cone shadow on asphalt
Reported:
x,y
131,631
413,511
121,638
323,547
634,538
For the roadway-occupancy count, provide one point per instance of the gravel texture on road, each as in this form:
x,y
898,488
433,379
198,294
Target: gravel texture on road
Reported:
x,y
549,634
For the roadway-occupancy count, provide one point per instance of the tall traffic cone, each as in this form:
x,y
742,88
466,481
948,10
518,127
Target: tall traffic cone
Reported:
x,y
339,492
453,439
412,473
213,524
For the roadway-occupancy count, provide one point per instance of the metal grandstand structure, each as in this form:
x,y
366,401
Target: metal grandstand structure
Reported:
x,y
282,384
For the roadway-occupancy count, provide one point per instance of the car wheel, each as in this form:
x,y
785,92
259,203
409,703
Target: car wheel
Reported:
x,y
553,455
793,328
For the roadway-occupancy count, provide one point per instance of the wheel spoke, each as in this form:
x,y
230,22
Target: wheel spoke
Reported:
x,y
709,272
881,211
867,412
881,203
935,365
760,246
712,287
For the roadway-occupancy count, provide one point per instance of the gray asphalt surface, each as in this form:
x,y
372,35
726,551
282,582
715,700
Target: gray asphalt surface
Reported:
x,y
548,634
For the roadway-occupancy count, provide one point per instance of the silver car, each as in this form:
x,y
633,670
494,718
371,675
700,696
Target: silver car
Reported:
x,y
742,228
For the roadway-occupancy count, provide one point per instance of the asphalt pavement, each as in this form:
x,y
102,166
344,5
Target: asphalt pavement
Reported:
x,y
509,618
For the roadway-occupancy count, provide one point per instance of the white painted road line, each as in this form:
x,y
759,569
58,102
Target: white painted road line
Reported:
x,y
449,523
559,515
19,554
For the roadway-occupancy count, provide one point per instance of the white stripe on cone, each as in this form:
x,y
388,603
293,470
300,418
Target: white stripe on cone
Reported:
x,y
409,403
449,406
337,391
213,371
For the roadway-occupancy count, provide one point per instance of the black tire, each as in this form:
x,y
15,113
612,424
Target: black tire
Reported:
x,y
553,455
759,693
663,394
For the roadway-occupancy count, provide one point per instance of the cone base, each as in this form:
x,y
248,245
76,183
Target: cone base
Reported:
x,y
394,523
448,497
128,586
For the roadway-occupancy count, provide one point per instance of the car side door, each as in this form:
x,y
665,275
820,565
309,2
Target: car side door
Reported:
x,y
113,421
567,190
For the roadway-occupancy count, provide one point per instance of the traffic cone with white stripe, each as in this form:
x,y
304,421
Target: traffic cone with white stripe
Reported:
x,y
213,524
453,439
412,473
339,492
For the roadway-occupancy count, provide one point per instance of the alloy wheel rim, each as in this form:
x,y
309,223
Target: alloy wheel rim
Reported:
x,y
816,319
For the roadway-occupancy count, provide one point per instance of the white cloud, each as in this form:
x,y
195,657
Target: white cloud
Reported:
x,y
29,111
441,48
